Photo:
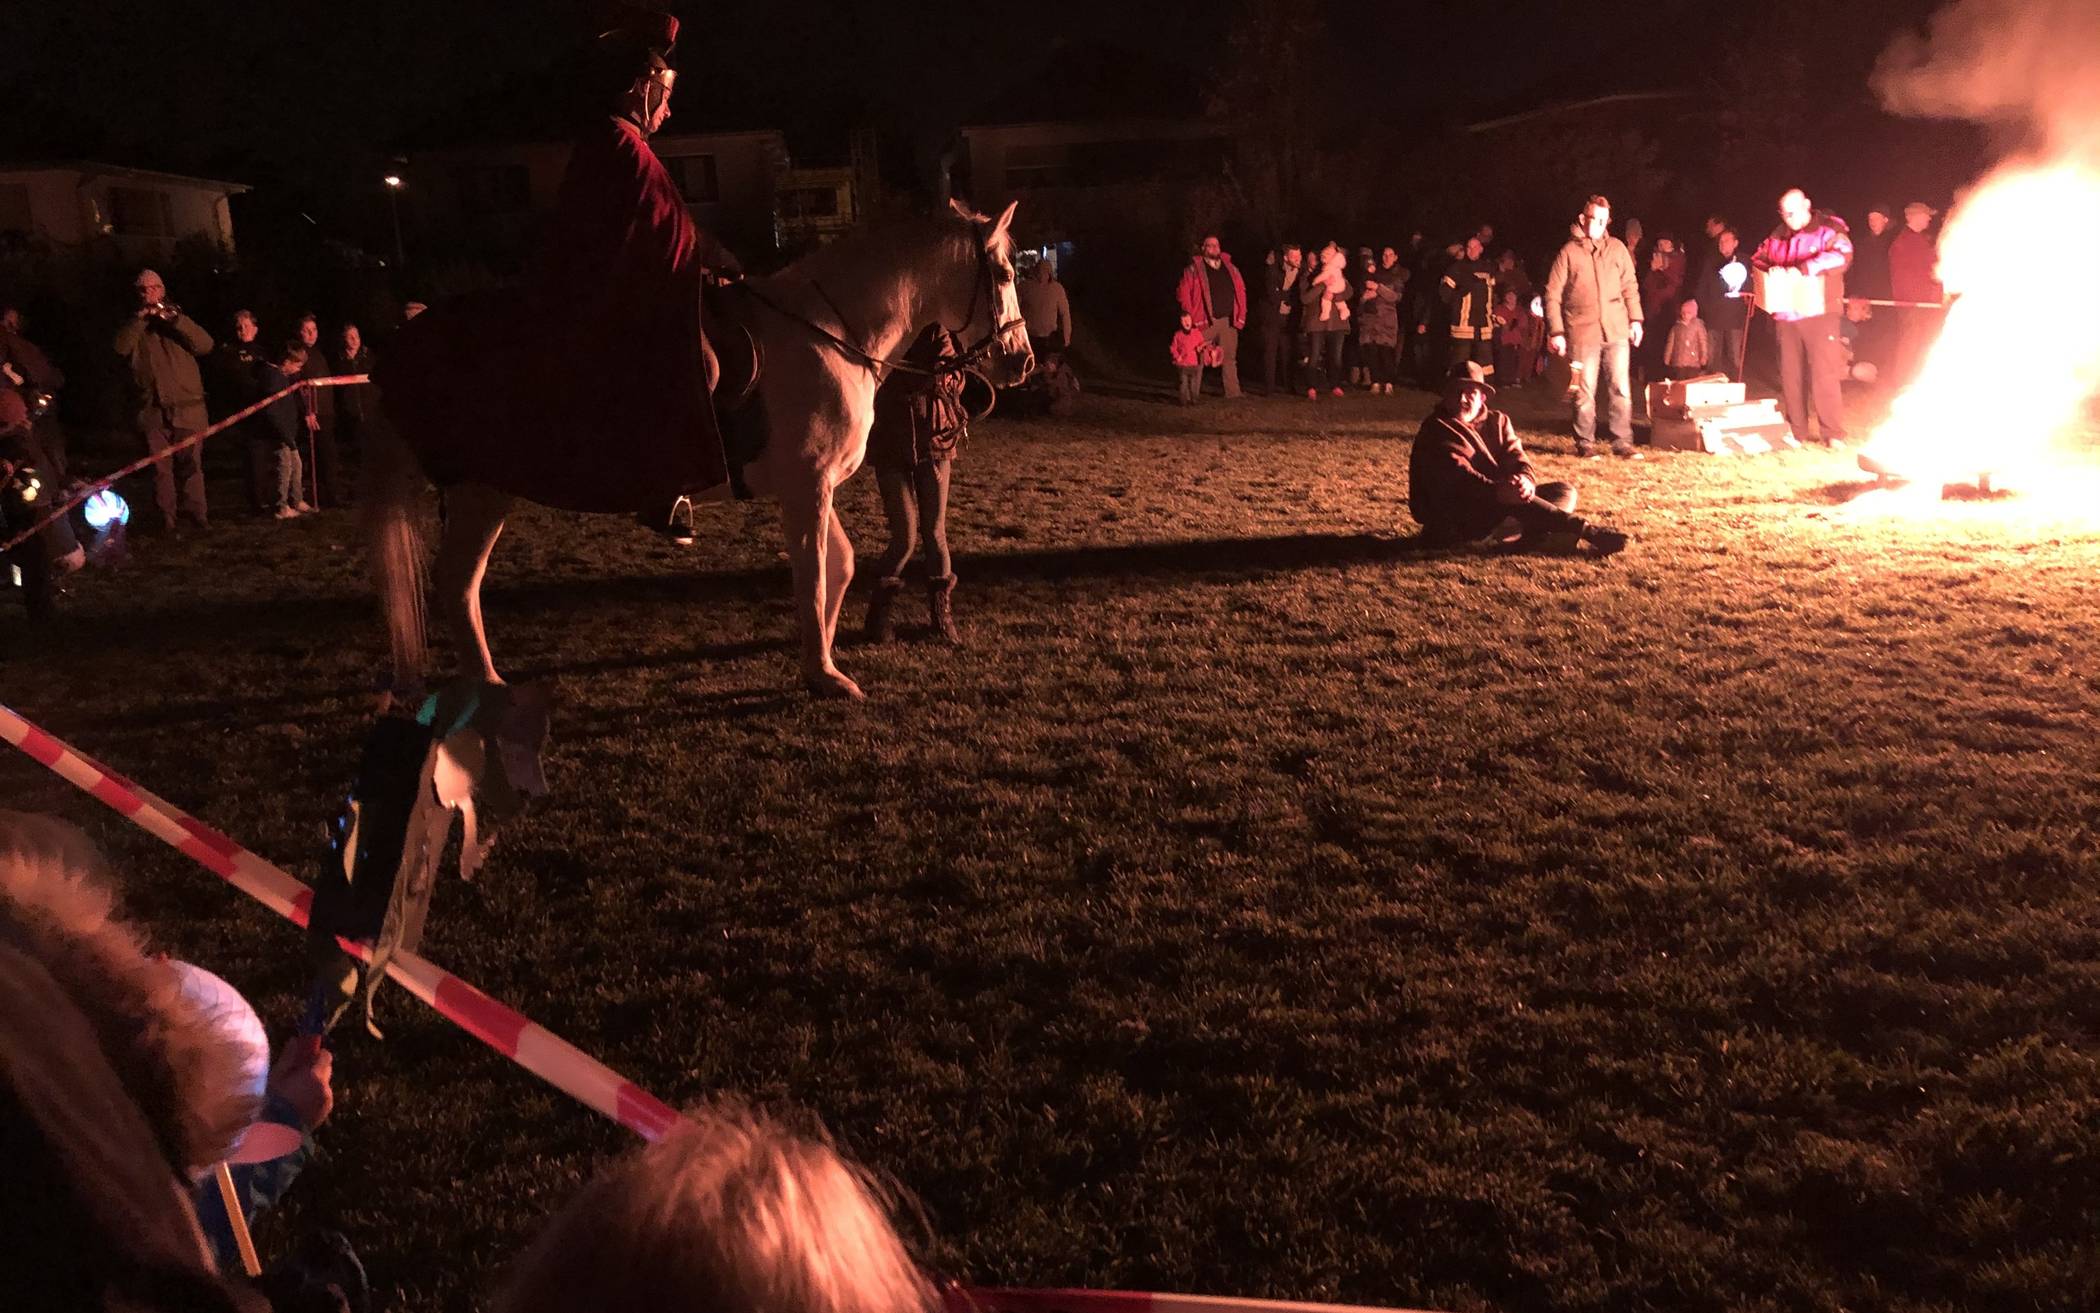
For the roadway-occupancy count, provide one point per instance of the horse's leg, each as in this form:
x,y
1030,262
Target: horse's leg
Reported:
x,y
838,572
805,515
473,521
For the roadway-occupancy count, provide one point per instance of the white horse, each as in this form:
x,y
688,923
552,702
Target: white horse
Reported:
x,y
830,328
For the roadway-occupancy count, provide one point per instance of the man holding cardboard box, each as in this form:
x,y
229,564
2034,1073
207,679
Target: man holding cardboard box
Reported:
x,y
1801,283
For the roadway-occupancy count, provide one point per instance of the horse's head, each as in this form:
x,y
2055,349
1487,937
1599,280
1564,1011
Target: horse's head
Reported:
x,y
990,326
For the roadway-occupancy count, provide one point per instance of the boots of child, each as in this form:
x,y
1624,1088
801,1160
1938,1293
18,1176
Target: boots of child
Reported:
x,y
940,596
881,624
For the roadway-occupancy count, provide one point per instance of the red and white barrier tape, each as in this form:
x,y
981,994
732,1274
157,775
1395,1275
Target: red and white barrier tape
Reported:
x,y
995,1299
88,490
530,1045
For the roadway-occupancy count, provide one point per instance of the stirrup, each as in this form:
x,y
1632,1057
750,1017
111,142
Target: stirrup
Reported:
x,y
675,523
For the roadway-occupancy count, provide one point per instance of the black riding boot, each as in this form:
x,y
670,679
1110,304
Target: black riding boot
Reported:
x,y
940,594
881,624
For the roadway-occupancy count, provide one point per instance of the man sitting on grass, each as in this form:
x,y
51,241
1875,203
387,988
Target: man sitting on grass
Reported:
x,y
1469,481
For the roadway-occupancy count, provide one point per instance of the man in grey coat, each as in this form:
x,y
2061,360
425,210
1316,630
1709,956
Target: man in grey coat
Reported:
x,y
1593,316
162,346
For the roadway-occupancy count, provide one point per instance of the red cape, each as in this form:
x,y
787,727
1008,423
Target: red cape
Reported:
x,y
585,388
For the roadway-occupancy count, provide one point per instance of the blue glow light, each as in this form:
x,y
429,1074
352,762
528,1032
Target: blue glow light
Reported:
x,y
106,508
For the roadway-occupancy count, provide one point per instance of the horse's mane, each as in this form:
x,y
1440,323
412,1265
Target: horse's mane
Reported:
x,y
891,236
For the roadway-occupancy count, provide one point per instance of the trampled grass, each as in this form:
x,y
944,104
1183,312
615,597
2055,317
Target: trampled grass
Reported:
x,y
1256,904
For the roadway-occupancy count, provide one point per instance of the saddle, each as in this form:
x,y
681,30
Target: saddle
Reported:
x,y
735,363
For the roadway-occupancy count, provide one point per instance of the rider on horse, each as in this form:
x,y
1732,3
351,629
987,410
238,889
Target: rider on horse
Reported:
x,y
587,387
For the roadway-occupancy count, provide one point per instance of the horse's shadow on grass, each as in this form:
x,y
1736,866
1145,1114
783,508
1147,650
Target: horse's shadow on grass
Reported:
x,y
298,623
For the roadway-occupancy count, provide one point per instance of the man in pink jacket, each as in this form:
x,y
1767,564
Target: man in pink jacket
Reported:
x,y
1819,245
1215,298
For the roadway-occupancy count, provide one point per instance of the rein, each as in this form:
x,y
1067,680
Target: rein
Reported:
x,y
963,361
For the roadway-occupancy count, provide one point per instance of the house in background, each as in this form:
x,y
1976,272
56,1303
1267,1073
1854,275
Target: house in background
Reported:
x,y
1092,141
495,195
77,205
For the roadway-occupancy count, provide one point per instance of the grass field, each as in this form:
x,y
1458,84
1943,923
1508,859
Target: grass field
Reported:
x,y
1256,904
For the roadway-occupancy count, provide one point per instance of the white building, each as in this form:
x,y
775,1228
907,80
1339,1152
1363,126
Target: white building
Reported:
x,y
76,204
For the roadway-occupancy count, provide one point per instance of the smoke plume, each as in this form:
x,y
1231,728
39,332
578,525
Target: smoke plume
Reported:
x,y
2008,62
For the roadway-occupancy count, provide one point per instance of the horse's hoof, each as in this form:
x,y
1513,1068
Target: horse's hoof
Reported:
x,y
833,686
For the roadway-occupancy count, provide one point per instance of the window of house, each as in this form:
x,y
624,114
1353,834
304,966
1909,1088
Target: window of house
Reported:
x,y
494,188
809,203
696,179
141,212
14,207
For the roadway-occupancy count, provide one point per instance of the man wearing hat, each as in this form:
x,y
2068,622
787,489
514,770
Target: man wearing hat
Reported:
x,y
1913,263
1469,479
586,388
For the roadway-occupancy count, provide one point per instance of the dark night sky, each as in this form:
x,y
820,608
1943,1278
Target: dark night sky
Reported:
x,y
191,81
302,98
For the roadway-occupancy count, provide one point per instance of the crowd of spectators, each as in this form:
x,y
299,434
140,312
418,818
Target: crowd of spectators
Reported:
x,y
1323,322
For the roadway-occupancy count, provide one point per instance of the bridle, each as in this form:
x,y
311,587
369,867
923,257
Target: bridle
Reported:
x,y
984,291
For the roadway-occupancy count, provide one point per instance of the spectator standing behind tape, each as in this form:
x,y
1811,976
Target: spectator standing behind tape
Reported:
x,y
729,1213
326,476
234,387
353,403
162,346
1914,259
285,429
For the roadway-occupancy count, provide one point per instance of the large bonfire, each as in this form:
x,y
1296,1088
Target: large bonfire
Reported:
x,y
2018,361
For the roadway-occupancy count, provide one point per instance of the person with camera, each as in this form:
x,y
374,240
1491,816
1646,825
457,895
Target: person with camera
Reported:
x,y
162,345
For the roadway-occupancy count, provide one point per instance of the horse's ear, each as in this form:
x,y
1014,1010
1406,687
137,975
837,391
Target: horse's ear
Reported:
x,y
1006,219
962,211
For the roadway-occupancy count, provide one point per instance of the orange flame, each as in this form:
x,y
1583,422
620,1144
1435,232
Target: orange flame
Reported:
x,y
2019,355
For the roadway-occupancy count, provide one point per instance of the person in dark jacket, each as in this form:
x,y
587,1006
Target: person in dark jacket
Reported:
x,y
234,380
1809,244
919,426
1282,281
161,347
1468,292
354,403
325,479
1323,321
1724,303
1468,476
285,427
1593,317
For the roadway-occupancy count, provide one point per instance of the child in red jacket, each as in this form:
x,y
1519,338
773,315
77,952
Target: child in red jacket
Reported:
x,y
1186,350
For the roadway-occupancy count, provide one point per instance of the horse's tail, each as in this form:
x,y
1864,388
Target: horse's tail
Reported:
x,y
393,484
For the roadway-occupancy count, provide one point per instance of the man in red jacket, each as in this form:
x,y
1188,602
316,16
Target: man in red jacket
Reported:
x,y
1215,296
586,388
1913,262
1814,245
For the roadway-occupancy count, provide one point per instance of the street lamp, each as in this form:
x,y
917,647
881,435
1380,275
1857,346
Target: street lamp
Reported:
x,y
394,183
